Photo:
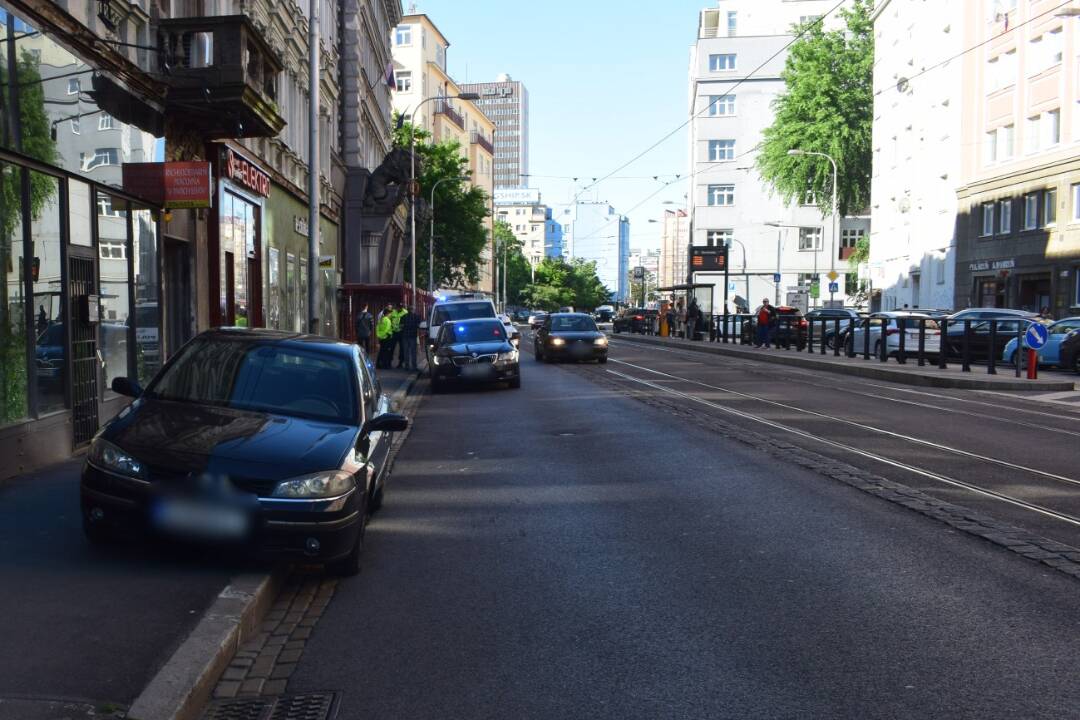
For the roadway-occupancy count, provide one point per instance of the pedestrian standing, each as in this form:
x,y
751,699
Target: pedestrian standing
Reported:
x,y
693,317
681,313
670,320
410,337
766,317
384,331
395,323
365,324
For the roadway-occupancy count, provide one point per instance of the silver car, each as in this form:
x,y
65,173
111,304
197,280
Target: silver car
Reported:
x,y
891,322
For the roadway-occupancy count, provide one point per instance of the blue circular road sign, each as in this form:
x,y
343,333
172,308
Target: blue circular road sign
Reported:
x,y
1036,336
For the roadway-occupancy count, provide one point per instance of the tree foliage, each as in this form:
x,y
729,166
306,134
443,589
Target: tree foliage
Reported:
x,y
511,260
560,283
640,289
827,107
460,211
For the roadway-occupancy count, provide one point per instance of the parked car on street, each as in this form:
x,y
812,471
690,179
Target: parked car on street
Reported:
x,y
247,436
535,321
856,340
455,307
632,320
570,336
791,327
824,319
1050,354
1009,322
1069,352
474,351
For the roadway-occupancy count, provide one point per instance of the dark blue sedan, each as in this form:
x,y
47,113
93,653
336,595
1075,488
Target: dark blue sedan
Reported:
x,y
250,437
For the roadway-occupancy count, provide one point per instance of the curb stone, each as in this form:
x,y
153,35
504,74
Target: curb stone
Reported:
x,y
1051,553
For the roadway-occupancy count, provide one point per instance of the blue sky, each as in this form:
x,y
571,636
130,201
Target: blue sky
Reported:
x,y
606,80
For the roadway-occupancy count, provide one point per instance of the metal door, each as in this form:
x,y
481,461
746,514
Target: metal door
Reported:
x,y
85,364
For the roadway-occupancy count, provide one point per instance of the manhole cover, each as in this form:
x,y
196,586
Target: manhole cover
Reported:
x,y
312,706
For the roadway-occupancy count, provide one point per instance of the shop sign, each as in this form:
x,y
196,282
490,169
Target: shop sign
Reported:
x,y
981,265
242,171
300,225
170,184
503,91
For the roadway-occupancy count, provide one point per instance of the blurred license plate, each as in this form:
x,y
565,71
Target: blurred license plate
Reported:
x,y
201,519
475,370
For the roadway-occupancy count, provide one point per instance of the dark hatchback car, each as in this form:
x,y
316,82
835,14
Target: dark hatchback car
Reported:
x,y
632,320
1008,324
570,336
247,437
825,320
474,351
791,327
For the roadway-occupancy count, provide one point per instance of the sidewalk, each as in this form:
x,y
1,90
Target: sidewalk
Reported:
x,y
909,374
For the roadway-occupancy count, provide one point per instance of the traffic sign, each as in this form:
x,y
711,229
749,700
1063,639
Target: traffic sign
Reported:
x,y
1036,336
833,275
815,290
834,287
776,277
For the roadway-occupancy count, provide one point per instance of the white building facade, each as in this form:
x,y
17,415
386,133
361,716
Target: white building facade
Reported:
x,y
729,202
917,152
594,232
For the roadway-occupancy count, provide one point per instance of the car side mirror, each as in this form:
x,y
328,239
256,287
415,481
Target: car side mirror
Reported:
x,y
126,386
423,325
387,422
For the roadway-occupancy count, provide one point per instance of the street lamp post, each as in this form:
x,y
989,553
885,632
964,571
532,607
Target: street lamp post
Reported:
x,y
835,212
431,235
412,175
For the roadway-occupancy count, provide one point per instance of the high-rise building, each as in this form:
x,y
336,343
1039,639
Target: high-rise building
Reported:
x,y
729,201
594,232
506,101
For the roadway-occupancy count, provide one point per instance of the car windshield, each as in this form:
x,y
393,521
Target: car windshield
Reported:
x,y
911,323
462,311
573,324
474,332
261,377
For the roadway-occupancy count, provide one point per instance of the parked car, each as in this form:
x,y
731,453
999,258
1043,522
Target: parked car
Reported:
x,y
247,436
1050,354
824,319
791,327
455,307
604,314
856,340
570,336
1009,322
474,351
1069,352
535,321
632,320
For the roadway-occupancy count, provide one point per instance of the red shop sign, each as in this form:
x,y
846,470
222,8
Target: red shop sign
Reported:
x,y
242,171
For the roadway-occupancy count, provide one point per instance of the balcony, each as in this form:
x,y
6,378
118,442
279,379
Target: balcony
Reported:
x,y
477,139
222,76
446,109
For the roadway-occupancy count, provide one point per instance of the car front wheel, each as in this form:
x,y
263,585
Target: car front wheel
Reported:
x,y
350,564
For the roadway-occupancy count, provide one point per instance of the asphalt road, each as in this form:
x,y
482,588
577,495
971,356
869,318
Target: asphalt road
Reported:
x,y
80,622
565,551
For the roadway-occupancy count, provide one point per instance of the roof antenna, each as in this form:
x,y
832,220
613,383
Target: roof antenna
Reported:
x,y
412,8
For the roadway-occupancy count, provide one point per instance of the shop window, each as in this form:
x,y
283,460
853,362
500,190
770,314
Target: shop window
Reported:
x,y
273,305
144,250
13,371
1005,217
112,227
48,297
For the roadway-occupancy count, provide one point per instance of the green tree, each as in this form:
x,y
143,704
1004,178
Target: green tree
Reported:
x,y
827,107
518,271
460,232
38,143
560,283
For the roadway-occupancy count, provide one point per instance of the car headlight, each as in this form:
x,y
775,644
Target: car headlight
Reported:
x,y
106,455
317,485
600,341
439,360
557,341
507,357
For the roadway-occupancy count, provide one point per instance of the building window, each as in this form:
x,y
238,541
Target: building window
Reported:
x,y
721,195
403,35
732,23
1076,202
721,105
849,237
987,219
73,86
719,238
112,249
404,81
990,147
1051,126
1031,211
1005,142
106,208
1005,217
721,62
721,150
809,239
105,122
101,156
76,125
1050,206
805,19
806,279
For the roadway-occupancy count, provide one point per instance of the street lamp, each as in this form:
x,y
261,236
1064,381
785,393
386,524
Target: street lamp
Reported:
x,y
431,235
412,173
835,211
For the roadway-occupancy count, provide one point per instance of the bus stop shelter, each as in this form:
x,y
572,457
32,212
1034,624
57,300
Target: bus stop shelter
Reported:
x,y
703,293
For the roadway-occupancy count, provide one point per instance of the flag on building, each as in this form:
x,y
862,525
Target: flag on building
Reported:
x,y
390,82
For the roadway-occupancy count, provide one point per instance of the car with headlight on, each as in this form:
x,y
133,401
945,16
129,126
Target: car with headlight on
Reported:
x,y
474,351
249,437
570,336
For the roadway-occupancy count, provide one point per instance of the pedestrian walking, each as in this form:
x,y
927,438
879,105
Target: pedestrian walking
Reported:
x,y
395,323
693,319
384,331
365,324
410,337
766,318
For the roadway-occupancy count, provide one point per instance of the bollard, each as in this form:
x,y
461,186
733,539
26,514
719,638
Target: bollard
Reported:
x,y
991,364
922,342
1033,364
1017,356
810,337
943,344
966,348
883,340
901,322
836,337
866,339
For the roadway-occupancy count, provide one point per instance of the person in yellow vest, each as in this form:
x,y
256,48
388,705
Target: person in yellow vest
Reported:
x,y
395,321
384,331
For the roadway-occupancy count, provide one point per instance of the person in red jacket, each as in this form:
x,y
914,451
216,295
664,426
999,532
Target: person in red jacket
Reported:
x,y
766,318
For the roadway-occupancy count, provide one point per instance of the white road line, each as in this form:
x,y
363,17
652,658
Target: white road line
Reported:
x,y
863,426
848,448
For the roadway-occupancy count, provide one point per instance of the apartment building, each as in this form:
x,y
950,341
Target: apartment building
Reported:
x,y
1018,227
506,102
420,72
531,222
729,202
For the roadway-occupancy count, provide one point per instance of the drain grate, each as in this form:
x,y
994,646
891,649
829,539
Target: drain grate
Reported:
x,y
311,706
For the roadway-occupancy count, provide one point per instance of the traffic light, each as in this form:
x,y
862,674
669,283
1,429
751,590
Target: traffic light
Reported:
x,y
35,269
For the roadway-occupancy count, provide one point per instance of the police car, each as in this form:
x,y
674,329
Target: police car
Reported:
x,y
448,308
